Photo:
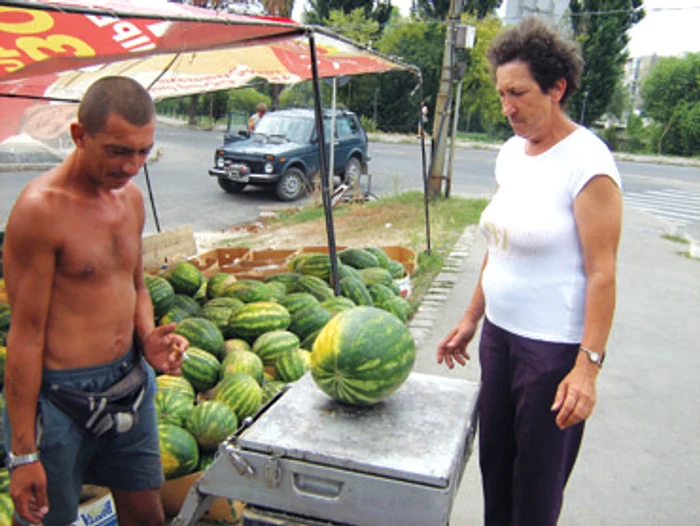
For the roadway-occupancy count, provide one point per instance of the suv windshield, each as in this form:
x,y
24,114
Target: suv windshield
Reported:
x,y
293,129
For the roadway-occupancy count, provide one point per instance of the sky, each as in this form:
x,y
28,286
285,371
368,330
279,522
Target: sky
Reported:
x,y
669,28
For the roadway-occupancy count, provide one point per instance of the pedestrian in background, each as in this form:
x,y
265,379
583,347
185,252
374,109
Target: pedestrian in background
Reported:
x,y
547,284
260,110
79,383
422,120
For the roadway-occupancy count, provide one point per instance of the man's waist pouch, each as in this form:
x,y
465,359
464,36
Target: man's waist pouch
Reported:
x,y
114,409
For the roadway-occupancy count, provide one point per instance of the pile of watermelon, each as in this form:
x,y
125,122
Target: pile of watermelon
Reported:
x,y
249,338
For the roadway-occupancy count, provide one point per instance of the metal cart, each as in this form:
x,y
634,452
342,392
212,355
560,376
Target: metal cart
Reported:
x,y
309,459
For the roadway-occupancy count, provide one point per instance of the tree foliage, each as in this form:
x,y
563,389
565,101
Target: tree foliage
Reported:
x,y
671,94
601,26
319,11
439,9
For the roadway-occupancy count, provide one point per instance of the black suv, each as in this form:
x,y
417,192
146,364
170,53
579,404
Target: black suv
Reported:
x,y
283,151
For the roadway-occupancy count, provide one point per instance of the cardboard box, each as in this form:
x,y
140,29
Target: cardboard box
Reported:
x,y
276,255
98,509
322,249
174,491
407,257
168,247
211,262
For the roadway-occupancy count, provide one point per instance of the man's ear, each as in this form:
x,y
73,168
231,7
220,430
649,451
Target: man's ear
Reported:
x,y
77,132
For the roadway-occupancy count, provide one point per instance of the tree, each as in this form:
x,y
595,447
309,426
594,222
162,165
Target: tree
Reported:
x,y
439,9
319,10
601,26
355,25
671,95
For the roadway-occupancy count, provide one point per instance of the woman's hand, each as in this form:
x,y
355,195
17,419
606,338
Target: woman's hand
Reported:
x,y
453,347
576,394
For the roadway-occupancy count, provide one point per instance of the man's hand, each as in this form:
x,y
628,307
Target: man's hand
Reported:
x,y
28,492
164,350
453,347
576,394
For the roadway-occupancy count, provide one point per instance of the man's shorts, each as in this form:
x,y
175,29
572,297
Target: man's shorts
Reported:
x,y
72,456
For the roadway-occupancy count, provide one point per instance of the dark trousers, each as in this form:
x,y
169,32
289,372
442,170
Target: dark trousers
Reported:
x,y
525,458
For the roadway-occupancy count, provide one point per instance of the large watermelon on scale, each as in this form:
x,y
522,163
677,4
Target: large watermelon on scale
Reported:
x,y
362,356
203,334
241,393
210,423
179,452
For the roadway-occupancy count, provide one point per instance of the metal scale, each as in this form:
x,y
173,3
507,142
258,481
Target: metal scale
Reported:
x,y
307,458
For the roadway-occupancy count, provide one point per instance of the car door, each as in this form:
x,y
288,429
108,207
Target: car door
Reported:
x,y
345,140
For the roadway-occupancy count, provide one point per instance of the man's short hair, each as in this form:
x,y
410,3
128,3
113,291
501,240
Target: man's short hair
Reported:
x,y
261,107
550,55
120,95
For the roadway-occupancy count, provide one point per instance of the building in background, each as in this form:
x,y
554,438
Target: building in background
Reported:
x,y
635,70
516,10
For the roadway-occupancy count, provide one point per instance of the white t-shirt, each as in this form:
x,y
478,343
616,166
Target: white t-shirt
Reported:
x,y
534,281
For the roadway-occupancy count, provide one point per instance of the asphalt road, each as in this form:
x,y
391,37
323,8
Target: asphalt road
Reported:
x,y
185,193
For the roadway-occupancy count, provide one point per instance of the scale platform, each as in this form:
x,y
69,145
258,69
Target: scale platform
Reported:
x,y
397,462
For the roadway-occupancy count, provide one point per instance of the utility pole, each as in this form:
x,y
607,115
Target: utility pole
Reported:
x,y
443,103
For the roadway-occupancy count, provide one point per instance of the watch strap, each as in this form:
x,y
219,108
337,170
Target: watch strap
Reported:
x,y
21,460
596,357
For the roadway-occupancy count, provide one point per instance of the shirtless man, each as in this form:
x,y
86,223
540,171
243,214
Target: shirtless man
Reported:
x,y
82,317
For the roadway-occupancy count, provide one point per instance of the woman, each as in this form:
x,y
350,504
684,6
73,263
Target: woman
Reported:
x,y
547,285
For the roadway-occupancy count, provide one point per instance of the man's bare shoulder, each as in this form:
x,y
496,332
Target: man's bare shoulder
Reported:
x,y
35,200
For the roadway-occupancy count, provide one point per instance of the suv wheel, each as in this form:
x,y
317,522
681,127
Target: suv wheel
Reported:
x,y
231,187
292,185
353,170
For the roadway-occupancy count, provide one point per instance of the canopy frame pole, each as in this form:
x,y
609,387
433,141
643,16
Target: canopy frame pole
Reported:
x,y
426,199
322,158
151,198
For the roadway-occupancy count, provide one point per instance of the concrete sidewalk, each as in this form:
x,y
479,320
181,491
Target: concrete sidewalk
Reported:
x,y
639,464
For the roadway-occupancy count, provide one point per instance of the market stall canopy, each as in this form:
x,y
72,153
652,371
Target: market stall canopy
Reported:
x,y
52,50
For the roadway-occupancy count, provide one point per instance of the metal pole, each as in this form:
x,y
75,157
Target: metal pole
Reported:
x,y
426,190
455,119
325,176
150,195
332,142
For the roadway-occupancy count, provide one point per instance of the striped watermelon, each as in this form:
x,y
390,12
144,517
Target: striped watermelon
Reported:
x,y
297,301
362,356
235,344
7,509
186,303
253,319
270,345
318,265
205,460
358,258
4,480
218,311
210,423
200,368
308,342
185,278
161,292
345,271
313,285
201,295
179,452
218,283
241,393
173,407
396,270
270,389
356,290
398,306
308,320
292,365
277,289
382,257
166,382
174,315
289,280
203,334
380,293
245,362
339,304
375,275
248,291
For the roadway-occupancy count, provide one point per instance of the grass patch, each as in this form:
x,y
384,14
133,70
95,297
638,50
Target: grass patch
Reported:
x,y
676,239
391,221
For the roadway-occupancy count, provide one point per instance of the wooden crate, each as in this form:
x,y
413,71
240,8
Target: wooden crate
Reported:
x,y
407,257
211,262
273,255
321,249
164,248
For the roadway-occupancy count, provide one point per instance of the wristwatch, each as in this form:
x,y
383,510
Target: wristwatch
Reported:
x,y
14,461
594,356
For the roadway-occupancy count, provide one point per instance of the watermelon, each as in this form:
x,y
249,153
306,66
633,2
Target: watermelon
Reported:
x,y
315,286
318,265
382,257
246,362
298,300
241,393
3,361
235,344
210,423
201,295
398,306
7,509
186,303
218,311
380,293
200,368
248,291
253,319
362,356
185,278
277,289
358,258
288,279
270,389
4,481
345,271
203,334
3,337
166,382
396,270
356,290
395,288
270,345
218,283
309,320
161,292
308,342
292,365
299,259
179,452
205,460
173,407
372,276
174,315
336,305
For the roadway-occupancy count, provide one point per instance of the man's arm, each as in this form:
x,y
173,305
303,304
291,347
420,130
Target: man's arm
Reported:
x,y
598,215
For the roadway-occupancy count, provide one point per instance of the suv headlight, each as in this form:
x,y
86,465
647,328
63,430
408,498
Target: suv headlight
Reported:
x,y
219,162
269,168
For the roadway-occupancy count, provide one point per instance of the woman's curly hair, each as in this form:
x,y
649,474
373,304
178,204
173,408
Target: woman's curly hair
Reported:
x,y
549,54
